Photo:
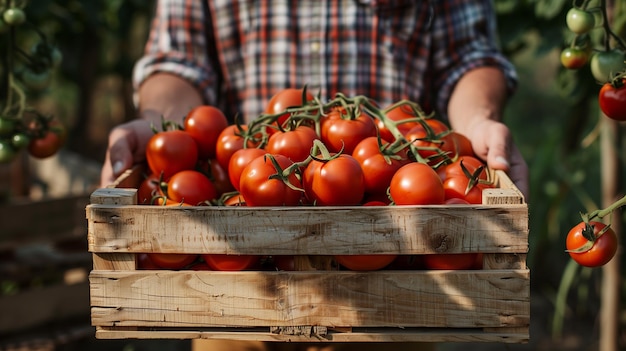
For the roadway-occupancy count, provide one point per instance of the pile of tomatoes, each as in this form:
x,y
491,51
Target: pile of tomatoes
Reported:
x,y
305,152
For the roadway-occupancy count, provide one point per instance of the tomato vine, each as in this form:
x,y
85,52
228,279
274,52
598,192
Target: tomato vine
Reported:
x,y
21,73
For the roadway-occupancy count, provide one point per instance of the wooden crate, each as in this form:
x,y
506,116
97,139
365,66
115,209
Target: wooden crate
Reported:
x,y
488,305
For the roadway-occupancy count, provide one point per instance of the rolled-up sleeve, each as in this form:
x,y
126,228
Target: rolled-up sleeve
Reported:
x,y
177,45
464,38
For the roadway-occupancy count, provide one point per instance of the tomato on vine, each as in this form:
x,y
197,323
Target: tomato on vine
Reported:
x,y
612,99
378,163
574,58
591,244
295,144
343,130
333,180
171,151
580,21
45,146
606,64
263,184
288,97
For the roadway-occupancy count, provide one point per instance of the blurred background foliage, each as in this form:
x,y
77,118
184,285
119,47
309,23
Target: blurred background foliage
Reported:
x,y
553,116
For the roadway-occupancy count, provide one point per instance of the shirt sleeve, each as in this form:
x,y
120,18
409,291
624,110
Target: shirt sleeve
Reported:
x,y
177,44
464,38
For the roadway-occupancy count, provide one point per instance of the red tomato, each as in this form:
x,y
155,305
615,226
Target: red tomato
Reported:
x,y
149,190
378,167
221,262
172,261
204,124
462,145
45,146
457,187
470,163
450,261
259,187
191,187
336,182
416,184
340,130
295,144
612,99
170,152
238,161
220,177
364,262
235,200
602,250
230,140
432,138
289,97
397,115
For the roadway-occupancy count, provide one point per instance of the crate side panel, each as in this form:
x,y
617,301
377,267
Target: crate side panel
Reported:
x,y
391,298
321,231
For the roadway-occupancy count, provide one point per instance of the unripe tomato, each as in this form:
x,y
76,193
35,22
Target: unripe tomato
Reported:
x,y
14,16
605,64
579,21
574,57
7,152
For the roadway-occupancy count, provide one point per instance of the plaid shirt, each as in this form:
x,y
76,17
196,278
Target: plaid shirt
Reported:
x,y
240,53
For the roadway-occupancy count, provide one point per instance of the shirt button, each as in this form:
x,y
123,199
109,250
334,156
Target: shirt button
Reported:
x,y
315,46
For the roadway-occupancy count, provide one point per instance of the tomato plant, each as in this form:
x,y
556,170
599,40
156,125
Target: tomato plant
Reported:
x,y
612,99
171,151
172,261
204,124
223,262
416,184
263,184
14,16
365,262
191,187
591,244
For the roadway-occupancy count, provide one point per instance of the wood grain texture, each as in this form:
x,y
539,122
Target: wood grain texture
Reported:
x,y
339,299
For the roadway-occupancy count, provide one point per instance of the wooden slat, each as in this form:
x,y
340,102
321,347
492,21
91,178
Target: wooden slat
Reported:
x,y
461,299
317,230
358,335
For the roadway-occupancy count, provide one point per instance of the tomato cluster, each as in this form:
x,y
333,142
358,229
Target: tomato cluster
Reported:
x,y
305,152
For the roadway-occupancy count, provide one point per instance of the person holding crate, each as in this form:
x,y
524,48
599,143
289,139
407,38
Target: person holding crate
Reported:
x,y
235,55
